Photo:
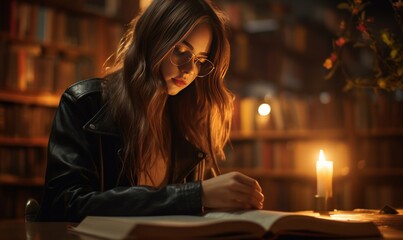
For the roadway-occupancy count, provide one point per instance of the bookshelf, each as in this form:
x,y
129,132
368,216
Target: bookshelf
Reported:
x,y
283,156
365,149
45,45
378,140
280,63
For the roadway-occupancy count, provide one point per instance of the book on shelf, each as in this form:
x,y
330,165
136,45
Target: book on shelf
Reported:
x,y
248,109
253,223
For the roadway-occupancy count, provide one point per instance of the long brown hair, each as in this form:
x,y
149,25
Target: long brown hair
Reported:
x,y
137,94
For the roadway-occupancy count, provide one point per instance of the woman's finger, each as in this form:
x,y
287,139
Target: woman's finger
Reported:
x,y
248,181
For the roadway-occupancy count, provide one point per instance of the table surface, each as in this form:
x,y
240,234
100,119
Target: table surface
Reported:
x,y
19,230
390,225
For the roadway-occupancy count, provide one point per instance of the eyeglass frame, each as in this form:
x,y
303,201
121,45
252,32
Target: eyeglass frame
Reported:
x,y
190,59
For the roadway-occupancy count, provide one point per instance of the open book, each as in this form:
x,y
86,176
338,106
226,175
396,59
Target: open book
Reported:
x,y
254,223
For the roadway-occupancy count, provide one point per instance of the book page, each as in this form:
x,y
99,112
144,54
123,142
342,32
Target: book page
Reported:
x,y
298,223
252,222
120,227
262,217
159,227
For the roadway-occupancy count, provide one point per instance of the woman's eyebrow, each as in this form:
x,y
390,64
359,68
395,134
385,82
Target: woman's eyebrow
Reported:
x,y
191,48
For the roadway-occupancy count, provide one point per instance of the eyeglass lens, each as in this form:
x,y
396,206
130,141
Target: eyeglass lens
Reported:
x,y
181,55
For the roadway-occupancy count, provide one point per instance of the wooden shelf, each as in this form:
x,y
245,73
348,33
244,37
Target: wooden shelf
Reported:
x,y
66,49
76,7
24,142
11,180
42,99
381,173
287,135
379,133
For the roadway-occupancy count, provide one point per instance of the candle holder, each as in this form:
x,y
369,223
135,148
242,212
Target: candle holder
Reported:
x,y
323,204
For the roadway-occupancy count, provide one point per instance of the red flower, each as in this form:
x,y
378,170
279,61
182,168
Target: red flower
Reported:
x,y
361,27
341,41
355,11
333,57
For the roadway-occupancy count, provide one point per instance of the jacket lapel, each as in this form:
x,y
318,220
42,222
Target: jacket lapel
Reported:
x,y
102,123
184,156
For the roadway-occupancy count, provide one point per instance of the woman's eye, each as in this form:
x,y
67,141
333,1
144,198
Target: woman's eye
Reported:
x,y
180,50
202,60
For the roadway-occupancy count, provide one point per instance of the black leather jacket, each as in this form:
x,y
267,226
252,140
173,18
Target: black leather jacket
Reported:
x,y
84,164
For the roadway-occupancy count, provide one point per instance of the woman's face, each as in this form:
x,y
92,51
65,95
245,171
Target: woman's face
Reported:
x,y
179,73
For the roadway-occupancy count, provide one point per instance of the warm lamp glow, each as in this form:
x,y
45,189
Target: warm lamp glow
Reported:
x,y
264,109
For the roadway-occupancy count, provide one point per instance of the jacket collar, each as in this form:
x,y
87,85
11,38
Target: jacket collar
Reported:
x,y
102,123
185,156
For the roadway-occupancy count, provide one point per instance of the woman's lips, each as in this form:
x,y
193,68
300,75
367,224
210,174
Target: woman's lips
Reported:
x,y
179,82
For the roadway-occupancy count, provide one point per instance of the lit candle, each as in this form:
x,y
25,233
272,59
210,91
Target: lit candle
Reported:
x,y
324,174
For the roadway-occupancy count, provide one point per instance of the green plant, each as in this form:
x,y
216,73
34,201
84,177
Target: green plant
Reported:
x,y
385,48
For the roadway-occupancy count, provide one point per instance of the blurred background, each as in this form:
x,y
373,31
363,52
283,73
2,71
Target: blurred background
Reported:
x,y
307,76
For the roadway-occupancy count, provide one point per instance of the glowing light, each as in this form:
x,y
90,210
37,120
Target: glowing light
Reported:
x,y
324,172
325,97
264,109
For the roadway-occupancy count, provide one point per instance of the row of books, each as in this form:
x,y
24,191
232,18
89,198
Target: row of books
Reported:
x,y
380,153
322,111
281,194
18,120
378,109
301,156
40,23
22,162
288,113
238,12
44,47
296,156
268,47
376,196
27,68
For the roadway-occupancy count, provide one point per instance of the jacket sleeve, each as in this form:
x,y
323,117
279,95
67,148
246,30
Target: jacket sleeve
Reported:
x,y
72,184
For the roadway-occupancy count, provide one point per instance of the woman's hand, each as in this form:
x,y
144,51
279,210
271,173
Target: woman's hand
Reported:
x,y
232,191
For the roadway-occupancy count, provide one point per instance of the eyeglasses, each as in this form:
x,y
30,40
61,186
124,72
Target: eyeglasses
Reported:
x,y
181,54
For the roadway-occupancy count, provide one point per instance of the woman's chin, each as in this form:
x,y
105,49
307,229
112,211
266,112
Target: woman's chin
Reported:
x,y
172,91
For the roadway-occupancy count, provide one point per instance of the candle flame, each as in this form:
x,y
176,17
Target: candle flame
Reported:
x,y
322,156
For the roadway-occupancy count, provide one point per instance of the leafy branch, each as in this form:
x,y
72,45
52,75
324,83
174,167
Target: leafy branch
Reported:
x,y
385,46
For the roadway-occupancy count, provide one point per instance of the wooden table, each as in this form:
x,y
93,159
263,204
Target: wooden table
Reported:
x,y
391,227
19,230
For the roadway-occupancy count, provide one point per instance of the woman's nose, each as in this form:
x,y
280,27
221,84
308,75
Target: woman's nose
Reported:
x,y
189,67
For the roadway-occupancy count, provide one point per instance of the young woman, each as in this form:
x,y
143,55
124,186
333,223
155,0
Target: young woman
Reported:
x,y
145,139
